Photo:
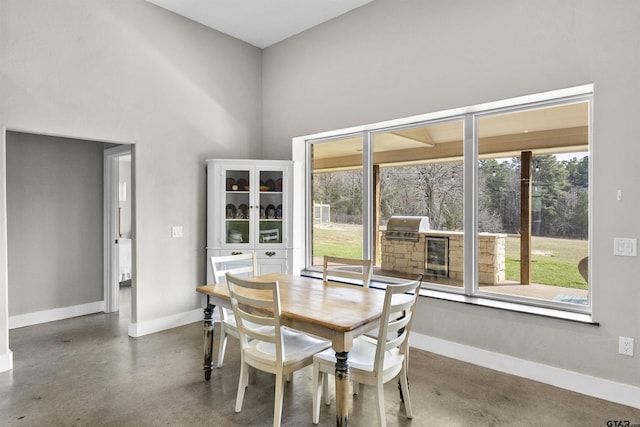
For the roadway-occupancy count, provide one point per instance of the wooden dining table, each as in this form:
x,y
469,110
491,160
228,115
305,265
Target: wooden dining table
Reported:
x,y
334,311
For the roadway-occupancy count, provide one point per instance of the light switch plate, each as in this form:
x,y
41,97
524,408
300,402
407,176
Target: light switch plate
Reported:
x,y
625,247
176,231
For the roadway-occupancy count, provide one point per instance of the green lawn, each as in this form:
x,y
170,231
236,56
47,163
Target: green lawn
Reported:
x,y
341,240
553,262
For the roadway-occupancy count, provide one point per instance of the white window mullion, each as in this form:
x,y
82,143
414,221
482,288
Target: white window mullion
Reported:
x,y
308,203
367,196
470,205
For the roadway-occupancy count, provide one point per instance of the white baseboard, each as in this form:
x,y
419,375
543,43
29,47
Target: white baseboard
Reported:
x,y
6,361
164,323
35,318
612,391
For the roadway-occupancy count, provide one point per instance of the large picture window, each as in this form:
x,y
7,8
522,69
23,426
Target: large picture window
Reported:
x,y
501,193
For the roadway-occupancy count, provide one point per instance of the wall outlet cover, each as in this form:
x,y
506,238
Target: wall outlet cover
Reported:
x,y
625,346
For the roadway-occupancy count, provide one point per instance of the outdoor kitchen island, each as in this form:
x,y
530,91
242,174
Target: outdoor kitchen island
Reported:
x,y
439,255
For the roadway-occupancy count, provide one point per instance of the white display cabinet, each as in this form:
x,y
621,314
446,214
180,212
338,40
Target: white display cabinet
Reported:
x,y
249,208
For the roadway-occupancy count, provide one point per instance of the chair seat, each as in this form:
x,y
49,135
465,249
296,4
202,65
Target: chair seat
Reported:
x,y
361,356
296,346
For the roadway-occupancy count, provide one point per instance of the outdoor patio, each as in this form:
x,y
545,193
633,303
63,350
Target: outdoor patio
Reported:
x,y
534,290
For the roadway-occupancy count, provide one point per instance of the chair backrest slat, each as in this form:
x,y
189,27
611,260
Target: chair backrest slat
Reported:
x,y
241,265
347,268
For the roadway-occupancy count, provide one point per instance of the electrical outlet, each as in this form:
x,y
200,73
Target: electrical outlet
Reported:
x,y
625,346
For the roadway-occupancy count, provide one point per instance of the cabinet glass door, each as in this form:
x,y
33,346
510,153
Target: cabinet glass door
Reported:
x,y
237,202
271,212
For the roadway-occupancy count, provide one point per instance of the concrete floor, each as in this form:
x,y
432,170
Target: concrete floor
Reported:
x,y
87,372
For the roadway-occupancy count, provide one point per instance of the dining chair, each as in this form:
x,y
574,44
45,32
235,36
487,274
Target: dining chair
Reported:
x,y
277,350
376,361
244,265
347,268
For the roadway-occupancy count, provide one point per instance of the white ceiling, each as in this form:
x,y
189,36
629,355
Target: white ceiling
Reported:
x,y
260,22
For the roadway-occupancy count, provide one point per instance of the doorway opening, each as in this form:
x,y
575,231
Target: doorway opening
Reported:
x,y
56,236
118,227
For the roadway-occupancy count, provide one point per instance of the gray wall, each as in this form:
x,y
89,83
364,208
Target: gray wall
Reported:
x,y
392,59
54,217
131,72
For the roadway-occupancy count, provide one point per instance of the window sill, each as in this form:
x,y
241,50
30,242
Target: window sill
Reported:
x,y
554,313
519,307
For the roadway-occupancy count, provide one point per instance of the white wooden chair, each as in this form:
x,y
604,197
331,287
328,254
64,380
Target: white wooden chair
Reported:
x,y
277,350
376,361
347,268
243,265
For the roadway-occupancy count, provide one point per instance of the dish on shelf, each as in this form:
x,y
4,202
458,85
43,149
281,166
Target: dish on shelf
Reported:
x,y
271,184
235,236
230,184
264,188
231,211
270,211
243,212
243,184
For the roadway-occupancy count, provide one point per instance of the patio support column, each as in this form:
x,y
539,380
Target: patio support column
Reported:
x,y
525,218
376,212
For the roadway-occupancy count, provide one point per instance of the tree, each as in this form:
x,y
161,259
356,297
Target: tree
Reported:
x,y
580,217
436,190
439,187
343,191
552,178
578,171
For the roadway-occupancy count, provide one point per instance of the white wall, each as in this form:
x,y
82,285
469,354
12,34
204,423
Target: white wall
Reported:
x,y
131,72
393,59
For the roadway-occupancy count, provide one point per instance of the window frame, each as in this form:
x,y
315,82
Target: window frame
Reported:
x,y
473,288
470,292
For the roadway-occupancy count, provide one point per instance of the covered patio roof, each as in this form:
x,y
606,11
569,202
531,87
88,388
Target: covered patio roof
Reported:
x,y
550,130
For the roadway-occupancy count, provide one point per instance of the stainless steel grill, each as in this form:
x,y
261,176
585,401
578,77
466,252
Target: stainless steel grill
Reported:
x,y
407,228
